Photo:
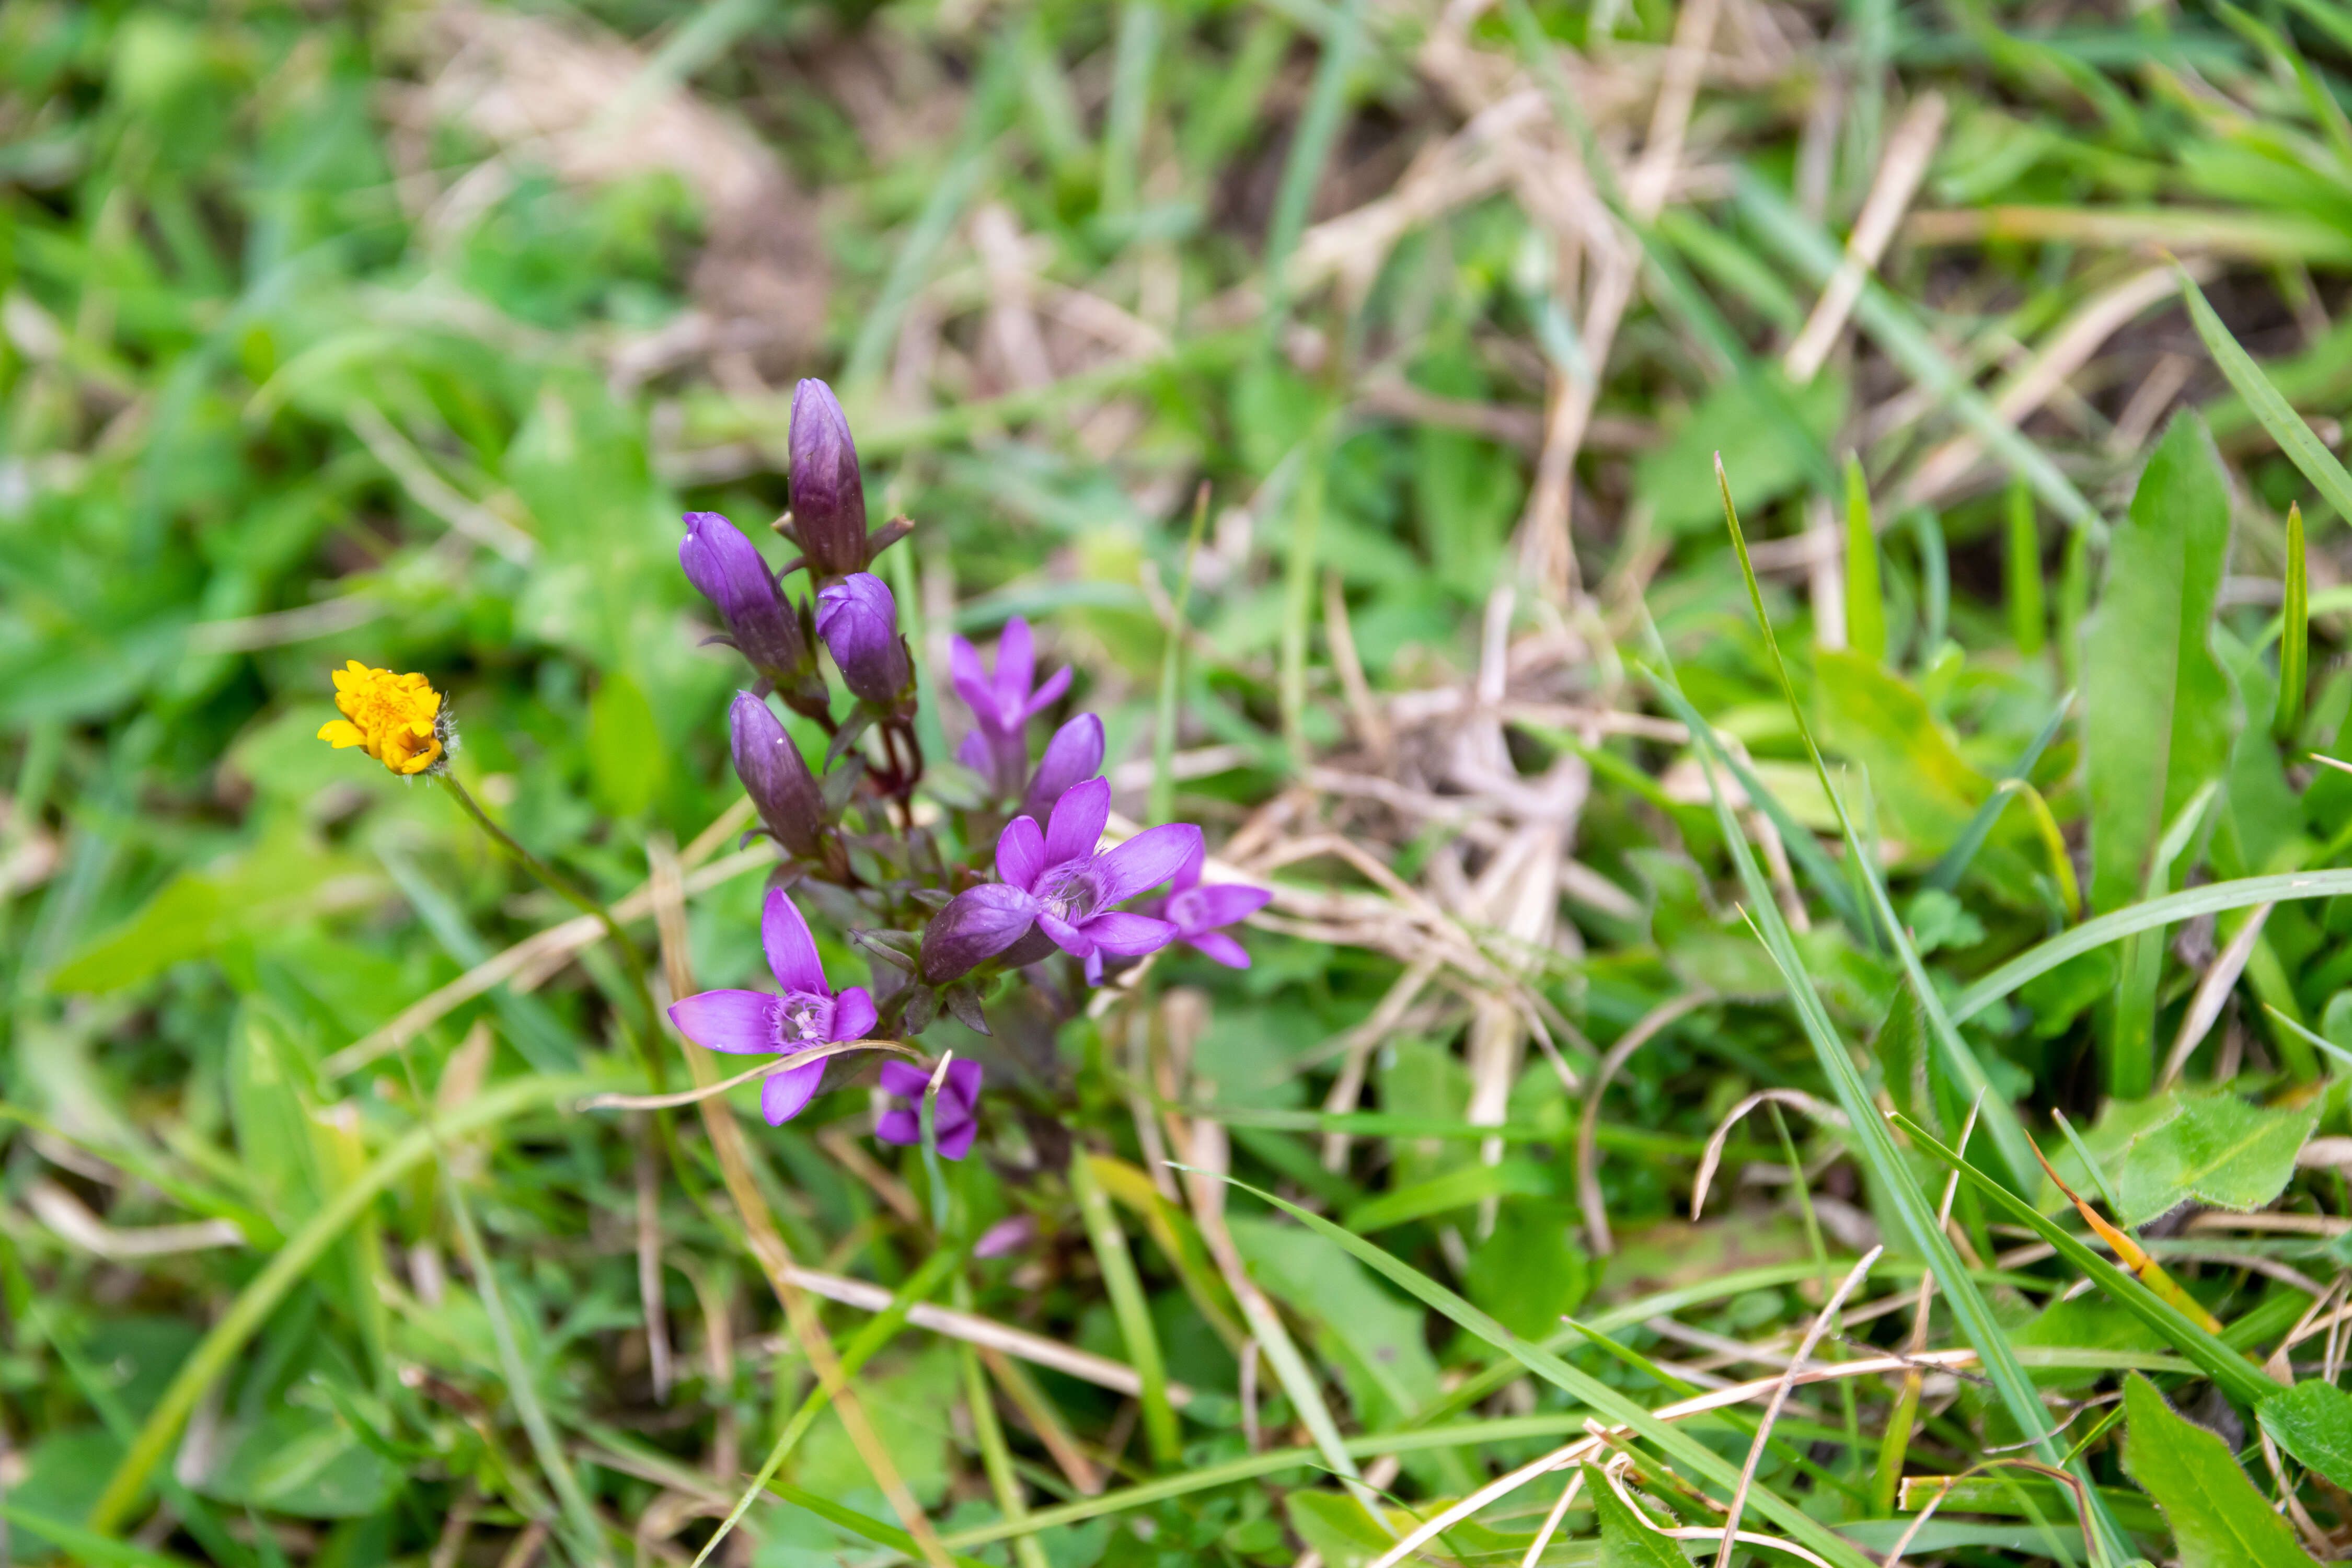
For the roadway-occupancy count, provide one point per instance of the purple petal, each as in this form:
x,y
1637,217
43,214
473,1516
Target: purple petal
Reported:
x,y
1006,1235
899,1126
739,1023
852,1015
782,1097
1020,854
1077,825
1188,875
970,679
1128,935
1047,695
791,951
972,753
1221,948
962,1087
1222,905
955,1145
1146,860
1068,937
1074,755
1016,663
904,1080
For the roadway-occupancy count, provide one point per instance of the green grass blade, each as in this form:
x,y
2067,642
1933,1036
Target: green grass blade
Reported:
x,y
2023,571
1875,1145
88,1546
261,1295
2295,437
1685,1451
1302,170
2211,899
864,1525
1135,52
1129,1306
2237,1377
1865,601
2294,634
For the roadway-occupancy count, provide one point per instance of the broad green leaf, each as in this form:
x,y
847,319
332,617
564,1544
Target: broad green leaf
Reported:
x,y
2312,1421
2158,709
303,1462
1626,1541
2159,712
181,922
2295,437
2219,1519
1338,1526
1927,792
2215,1148
1531,1271
1373,1339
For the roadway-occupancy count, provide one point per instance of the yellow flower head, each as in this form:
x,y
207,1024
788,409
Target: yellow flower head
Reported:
x,y
397,718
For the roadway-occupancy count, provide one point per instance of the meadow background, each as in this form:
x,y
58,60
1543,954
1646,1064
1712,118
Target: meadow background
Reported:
x,y
1335,387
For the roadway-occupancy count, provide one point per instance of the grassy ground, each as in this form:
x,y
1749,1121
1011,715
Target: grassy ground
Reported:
x,y
405,333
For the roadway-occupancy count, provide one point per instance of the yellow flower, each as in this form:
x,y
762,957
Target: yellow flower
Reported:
x,y
397,718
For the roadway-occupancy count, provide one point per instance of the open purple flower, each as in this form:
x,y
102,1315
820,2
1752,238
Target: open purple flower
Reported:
x,y
955,1119
1197,911
754,1023
859,623
728,569
1002,704
1058,880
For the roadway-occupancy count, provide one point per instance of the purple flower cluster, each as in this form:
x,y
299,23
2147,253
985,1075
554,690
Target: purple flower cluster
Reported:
x,y
851,834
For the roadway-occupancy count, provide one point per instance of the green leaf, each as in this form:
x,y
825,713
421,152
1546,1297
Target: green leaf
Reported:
x,y
1678,478
1457,1188
626,760
2215,1148
2295,437
181,922
2159,712
1865,603
1338,1526
2312,1421
1531,1272
2219,1519
1626,1541
1926,792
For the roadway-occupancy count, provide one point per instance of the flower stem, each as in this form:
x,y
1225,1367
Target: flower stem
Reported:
x,y
632,961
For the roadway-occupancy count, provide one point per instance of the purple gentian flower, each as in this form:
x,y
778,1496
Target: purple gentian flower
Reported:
x,y
859,623
753,1023
977,924
1197,911
1074,755
955,1119
1002,704
776,777
1069,889
728,569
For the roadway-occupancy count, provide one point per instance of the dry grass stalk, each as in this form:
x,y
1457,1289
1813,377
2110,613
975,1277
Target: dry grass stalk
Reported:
x,y
1900,170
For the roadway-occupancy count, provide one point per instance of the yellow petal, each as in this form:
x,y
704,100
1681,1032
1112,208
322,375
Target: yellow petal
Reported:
x,y
343,733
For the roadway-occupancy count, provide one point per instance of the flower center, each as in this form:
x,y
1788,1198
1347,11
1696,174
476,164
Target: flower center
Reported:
x,y
1067,891
803,1019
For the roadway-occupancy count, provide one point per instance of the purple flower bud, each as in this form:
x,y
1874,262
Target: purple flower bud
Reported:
x,y
1005,1235
828,497
859,623
776,778
727,569
1073,756
976,926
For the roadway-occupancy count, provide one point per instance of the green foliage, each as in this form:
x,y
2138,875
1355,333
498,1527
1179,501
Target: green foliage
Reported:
x,y
1626,1541
2217,1519
2313,1422
2214,1148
